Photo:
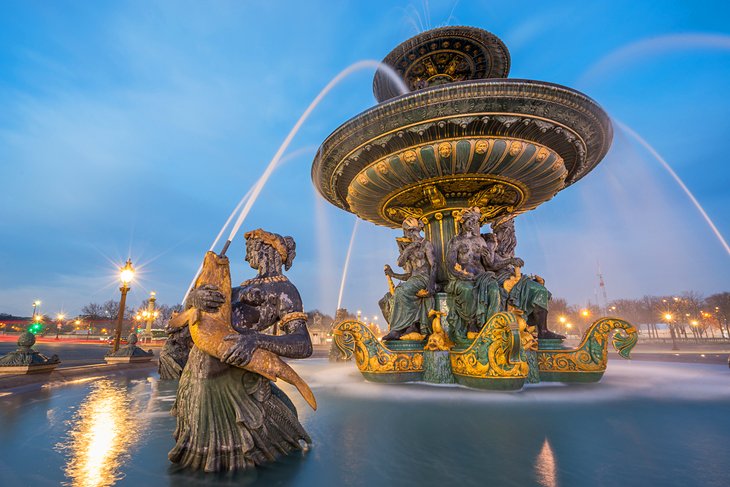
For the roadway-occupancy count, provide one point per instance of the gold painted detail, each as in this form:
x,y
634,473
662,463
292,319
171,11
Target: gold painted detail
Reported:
x,y
510,282
434,196
265,280
403,212
296,315
372,356
481,146
592,354
269,239
409,156
414,336
528,334
491,355
438,340
445,150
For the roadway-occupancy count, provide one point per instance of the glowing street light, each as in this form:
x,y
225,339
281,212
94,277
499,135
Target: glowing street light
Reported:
x,y
59,319
562,319
669,317
126,274
585,313
149,315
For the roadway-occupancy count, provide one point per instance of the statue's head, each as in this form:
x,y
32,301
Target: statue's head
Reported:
x,y
268,252
412,227
470,220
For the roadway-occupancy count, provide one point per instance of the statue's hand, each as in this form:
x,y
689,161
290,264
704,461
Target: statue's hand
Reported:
x,y
206,298
242,349
517,262
388,270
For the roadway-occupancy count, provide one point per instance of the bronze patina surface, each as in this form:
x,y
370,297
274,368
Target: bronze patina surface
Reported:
x,y
503,145
443,55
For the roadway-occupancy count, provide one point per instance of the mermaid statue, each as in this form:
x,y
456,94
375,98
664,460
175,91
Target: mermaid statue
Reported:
x,y
228,416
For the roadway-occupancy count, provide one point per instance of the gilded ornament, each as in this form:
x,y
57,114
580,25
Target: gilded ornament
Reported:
x,y
362,179
481,146
409,156
515,148
444,149
438,340
542,154
592,354
382,168
371,356
491,355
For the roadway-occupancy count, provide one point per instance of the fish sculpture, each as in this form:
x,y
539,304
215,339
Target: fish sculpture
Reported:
x,y
209,330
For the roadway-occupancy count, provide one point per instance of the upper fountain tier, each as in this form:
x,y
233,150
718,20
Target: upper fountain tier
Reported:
x,y
465,136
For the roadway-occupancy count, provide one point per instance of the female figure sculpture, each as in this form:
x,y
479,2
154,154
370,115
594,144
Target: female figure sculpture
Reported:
x,y
412,299
229,418
473,291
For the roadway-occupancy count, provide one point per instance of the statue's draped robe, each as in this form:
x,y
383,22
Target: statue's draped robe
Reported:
x,y
527,294
471,303
229,418
407,308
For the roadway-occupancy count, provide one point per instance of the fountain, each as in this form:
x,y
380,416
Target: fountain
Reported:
x,y
464,148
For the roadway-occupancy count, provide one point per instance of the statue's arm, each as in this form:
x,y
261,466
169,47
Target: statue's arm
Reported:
x,y
431,258
295,343
400,276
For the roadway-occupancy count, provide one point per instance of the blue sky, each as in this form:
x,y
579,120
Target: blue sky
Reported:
x,y
133,129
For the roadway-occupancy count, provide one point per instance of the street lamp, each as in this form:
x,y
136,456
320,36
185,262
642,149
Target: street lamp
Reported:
x,y
149,315
126,274
34,318
668,317
59,319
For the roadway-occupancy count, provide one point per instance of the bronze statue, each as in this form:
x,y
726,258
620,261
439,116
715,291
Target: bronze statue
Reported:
x,y
409,303
527,293
230,415
473,291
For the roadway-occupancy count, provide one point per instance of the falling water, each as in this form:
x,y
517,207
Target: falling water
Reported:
x,y
334,82
245,198
347,262
679,181
648,47
252,195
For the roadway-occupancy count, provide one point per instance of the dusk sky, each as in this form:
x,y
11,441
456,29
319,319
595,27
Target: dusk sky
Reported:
x,y
132,129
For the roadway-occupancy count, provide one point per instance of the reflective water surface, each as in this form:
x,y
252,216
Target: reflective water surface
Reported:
x,y
646,423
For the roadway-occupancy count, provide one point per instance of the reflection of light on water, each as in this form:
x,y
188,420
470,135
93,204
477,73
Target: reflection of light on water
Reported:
x,y
101,435
545,467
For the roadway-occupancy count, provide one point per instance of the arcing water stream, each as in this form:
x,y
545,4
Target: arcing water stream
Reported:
x,y
252,195
626,129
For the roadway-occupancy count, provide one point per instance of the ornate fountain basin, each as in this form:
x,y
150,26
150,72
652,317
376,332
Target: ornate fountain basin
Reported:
x,y
501,144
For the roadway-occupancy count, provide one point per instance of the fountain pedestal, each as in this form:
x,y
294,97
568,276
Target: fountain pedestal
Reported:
x,y
437,367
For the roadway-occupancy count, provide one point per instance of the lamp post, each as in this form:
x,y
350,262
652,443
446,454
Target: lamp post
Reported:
x,y
126,274
150,315
36,303
586,315
59,320
668,317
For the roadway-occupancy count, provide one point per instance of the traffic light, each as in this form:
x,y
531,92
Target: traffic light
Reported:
x,y
35,328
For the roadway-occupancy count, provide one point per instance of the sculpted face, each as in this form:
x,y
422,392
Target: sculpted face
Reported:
x,y
253,246
471,224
